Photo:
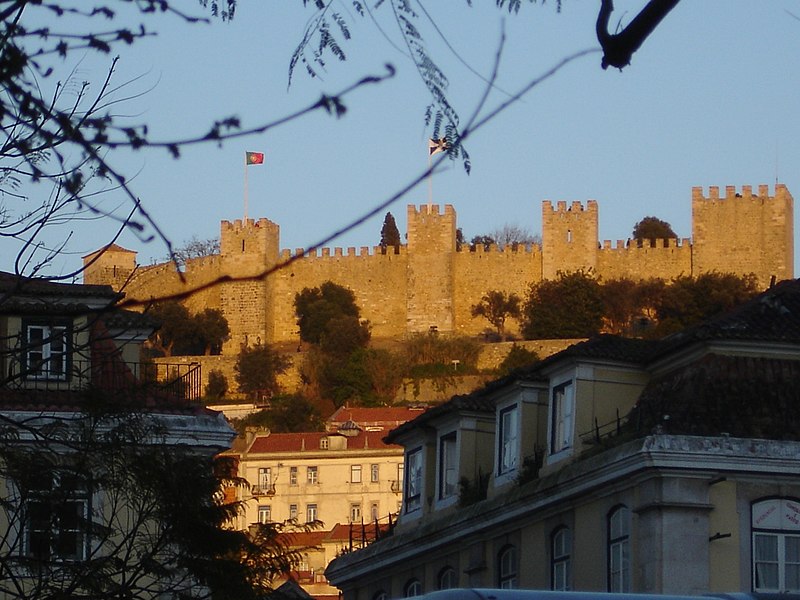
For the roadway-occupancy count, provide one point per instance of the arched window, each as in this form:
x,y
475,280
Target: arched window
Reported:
x,y
380,595
507,568
413,588
447,578
619,545
560,555
776,545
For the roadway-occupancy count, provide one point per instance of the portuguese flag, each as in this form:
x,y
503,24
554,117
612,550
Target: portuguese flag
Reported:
x,y
254,158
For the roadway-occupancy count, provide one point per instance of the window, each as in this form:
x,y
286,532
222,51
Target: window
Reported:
x,y
412,588
374,473
355,473
380,595
46,351
323,443
562,417
560,550
413,479
264,478
448,467
374,511
355,513
311,513
264,513
619,562
776,545
293,511
292,475
507,568
447,578
507,449
56,513
312,475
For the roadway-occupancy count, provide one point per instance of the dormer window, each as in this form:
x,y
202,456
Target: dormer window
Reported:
x,y
46,350
561,417
508,440
413,483
448,466
323,443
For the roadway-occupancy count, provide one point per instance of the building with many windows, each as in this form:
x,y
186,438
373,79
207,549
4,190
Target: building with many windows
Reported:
x,y
347,474
624,465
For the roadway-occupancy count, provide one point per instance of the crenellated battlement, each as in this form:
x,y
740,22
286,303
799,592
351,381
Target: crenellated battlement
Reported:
x,y
632,245
575,207
746,193
428,283
349,252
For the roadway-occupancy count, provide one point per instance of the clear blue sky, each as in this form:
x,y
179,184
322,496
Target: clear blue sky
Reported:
x,y
710,99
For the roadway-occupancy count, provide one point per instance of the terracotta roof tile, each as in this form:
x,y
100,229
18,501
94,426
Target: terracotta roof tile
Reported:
x,y
310,442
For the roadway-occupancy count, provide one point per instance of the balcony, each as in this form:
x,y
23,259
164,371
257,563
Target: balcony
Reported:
x,y
263,490
166,380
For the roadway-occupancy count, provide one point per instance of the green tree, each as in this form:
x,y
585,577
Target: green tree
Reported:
x,y
287,413
630,305
568,307
688,301
496,306
315,307
390,235
652,229
217,385
257,369
184,334
517,358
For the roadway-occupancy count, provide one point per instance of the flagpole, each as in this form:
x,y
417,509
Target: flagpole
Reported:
x,y
430,182
245,187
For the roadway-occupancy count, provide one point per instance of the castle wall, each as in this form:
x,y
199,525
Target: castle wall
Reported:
x,y
667,259
378,281
428,283
481,271
430,273
569,238
744,232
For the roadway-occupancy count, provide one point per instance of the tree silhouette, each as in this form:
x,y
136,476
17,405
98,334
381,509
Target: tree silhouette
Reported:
x,y
652,228
390,235
496,306
568,307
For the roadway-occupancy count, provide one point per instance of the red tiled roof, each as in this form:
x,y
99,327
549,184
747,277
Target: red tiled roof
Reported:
x,y
309,442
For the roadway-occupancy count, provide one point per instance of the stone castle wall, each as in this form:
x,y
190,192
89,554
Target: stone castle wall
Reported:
x,y
428,283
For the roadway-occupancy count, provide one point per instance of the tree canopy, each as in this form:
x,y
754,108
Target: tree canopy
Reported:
x,y
568,307
316,307
390,235
184,334
257,369
496,306
653,228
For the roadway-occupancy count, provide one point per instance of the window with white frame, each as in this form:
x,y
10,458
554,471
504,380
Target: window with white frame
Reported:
x,y
56,517
355,473
508,445
374,473
311,513
561,417
46,354
619,560
264,513
448,466
374,511
507,568
776,545
447,578
412,588
312,475
355,513
413,486
293,511
560,556
292,475
323,443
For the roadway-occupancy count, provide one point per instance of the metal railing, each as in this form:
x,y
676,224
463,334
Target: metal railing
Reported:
x,y
173,380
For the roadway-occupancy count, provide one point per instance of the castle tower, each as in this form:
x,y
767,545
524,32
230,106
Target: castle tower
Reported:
x,y
743,232
112,265
430,271
248,249
569,238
